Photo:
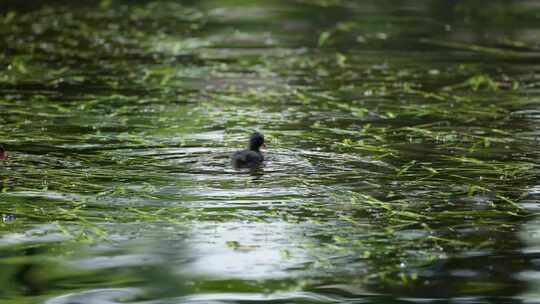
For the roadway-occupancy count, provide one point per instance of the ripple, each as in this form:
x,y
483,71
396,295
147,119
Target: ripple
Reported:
x,y
291,297
98,296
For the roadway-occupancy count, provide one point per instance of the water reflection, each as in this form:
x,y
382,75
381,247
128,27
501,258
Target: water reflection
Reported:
x,y
402,141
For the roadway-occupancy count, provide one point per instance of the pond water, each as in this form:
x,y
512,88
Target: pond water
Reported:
x,y
402,161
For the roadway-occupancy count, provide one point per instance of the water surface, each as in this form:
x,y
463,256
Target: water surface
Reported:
x,y
402,161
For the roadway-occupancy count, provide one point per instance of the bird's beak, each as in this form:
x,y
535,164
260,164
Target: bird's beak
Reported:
x,y
264,145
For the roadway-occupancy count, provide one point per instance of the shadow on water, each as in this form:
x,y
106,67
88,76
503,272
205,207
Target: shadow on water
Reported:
x,y
403,162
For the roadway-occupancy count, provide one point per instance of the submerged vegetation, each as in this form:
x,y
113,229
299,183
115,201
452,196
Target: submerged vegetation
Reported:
x,y
402,157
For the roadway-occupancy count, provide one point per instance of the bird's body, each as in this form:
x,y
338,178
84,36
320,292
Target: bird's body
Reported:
x,y
247,159
251,157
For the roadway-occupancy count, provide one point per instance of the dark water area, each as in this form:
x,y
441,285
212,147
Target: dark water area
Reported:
x,y
402,162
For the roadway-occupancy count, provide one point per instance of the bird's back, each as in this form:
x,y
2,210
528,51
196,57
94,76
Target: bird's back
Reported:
x,y
246,159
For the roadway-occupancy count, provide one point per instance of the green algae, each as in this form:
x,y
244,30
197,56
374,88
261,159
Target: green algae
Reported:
x,y
384,165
